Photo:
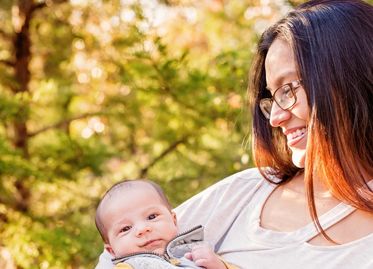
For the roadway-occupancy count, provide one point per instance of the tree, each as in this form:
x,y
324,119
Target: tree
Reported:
x,y
96,91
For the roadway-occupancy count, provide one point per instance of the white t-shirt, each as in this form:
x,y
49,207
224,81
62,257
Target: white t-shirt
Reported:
x,y
230,212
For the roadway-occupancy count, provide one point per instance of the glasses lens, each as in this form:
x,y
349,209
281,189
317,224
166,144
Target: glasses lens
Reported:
x,y
266,107
284,97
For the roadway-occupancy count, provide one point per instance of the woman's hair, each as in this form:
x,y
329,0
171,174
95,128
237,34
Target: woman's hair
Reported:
x,y
332,42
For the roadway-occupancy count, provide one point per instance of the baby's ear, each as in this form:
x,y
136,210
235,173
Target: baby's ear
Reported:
x,y
109,249
174,217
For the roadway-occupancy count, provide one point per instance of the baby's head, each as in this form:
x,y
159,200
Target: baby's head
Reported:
x,y
135,216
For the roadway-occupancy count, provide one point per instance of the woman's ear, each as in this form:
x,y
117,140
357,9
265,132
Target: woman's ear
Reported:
x,y
109,249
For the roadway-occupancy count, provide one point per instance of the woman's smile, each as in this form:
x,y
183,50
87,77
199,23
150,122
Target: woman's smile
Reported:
x,y
295,136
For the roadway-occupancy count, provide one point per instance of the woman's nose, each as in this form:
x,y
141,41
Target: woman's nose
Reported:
x,y
278,115
143,229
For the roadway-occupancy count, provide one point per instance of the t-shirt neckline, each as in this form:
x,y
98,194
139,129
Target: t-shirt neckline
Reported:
x,y
301,235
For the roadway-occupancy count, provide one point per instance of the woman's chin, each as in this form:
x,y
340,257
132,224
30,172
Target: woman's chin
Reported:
x,y
298,157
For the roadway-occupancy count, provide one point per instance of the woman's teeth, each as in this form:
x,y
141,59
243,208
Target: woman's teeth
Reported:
x,y
297,133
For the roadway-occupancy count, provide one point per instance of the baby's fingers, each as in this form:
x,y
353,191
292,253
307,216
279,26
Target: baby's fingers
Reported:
x,y
201,262
189,256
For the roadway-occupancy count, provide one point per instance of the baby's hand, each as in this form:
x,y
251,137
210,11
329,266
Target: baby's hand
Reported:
x,y
203,256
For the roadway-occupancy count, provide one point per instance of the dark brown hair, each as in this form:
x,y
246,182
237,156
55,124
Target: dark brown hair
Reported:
x,y
117,187
332,45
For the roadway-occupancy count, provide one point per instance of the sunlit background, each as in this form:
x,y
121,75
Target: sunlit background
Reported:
x,y
94,91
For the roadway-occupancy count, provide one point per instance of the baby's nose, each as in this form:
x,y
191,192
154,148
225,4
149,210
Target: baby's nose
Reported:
x,y
143,230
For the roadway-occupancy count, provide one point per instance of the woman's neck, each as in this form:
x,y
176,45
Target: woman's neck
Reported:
x,y
298,184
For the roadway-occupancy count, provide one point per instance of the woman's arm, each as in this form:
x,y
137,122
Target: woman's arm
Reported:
x,y
104,261
217,207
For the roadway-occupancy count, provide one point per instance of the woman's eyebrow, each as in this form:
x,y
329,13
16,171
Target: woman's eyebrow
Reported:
x,y
280,80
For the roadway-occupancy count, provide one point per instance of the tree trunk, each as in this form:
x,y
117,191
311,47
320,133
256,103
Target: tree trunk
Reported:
x,y
22,53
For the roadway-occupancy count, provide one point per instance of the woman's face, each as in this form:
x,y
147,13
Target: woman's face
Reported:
x,y
281,69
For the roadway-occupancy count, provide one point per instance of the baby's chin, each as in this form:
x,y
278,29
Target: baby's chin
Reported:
x,y
159,251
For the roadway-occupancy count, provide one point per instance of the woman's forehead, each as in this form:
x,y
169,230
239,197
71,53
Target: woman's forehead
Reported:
x,y
280,64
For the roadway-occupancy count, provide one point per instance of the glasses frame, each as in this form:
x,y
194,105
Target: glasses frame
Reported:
x,y
293,85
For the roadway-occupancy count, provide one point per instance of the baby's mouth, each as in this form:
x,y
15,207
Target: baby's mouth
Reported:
x,y
151,244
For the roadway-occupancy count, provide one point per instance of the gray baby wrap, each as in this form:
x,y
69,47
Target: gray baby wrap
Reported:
x,y
172,258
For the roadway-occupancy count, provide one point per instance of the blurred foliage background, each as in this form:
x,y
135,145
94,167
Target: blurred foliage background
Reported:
x,y
94,91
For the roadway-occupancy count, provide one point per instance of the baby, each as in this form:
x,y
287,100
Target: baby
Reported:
x,y
139,229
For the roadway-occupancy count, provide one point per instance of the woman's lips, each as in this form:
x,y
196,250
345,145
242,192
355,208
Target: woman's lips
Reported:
x,y
294,136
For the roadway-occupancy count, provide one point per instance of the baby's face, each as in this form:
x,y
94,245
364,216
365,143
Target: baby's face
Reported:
x,y
137,220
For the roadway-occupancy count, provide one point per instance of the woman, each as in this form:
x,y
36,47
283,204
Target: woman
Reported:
x,y
310,202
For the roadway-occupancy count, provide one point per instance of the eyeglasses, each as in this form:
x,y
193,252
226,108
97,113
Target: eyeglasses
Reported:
x,y
284,97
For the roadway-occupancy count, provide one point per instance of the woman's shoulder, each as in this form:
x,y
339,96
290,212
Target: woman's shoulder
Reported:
x,y
248,176
218,205
246,179
241,182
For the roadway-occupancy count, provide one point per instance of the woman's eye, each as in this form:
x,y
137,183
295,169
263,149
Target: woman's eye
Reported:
x,y
152,216
125,229
287,91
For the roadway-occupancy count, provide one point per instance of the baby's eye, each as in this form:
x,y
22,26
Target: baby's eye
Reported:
x,y
125,229
152,216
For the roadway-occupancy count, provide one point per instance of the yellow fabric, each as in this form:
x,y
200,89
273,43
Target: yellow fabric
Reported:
x,y
229,266
123,265
174,261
